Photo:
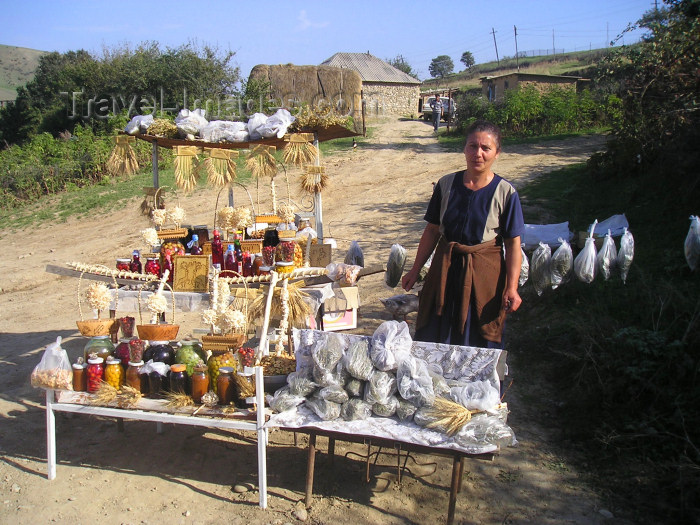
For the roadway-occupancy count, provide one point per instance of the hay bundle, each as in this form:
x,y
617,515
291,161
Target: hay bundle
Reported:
x,y
314,179
446,416
186,162
123,160
298,308
261,163
220,167
299,149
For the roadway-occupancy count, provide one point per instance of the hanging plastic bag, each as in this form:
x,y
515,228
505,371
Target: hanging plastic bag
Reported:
x,y
355,256
540,269
395,265
344,274
606,260
562,264
625,254
53,371
585,262
524,266
692,243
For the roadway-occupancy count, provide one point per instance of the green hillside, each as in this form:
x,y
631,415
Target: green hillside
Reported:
x,y
17,66
576,63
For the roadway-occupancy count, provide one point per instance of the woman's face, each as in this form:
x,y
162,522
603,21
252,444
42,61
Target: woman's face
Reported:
x,y
480,151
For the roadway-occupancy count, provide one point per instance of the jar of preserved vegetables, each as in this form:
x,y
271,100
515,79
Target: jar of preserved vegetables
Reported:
x,y
95,374
284,251
190,354
100,345
178,379
200,383
80,376
225,385
159,351
122,352
136,380
114,374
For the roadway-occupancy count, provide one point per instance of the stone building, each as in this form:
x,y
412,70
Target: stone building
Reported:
x,y
493,87
385,89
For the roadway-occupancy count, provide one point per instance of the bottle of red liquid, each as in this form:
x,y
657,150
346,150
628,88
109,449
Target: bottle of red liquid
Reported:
x,y
193,245
247,265
135,264
217,250
230,259
239,254
168,265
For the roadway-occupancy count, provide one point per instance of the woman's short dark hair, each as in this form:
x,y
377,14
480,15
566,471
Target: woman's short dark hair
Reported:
x,y
484,126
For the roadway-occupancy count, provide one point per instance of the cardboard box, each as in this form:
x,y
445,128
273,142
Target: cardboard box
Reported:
x,y
340,312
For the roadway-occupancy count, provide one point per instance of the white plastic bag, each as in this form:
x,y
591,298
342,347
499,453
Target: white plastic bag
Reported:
x,y
540,268
476,395
139,124
606,260
585,262
524,266
626,254
391,344
562,264
53,371
255,124
692,243
395,265
190,122
224,131
414,382
345,274
276,125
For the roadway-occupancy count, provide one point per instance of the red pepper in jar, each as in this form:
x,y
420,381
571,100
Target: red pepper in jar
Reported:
x,y
95,374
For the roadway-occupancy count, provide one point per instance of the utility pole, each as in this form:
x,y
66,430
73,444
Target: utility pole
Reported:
x,y
517,62
495,45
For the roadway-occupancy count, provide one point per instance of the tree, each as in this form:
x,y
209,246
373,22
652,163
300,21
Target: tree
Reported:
x,y
467,59
401,64
441,66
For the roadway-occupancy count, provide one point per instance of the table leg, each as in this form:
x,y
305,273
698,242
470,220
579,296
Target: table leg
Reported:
x,y
159,427
331,449
461,473
310,469
453,491
50,436
120,425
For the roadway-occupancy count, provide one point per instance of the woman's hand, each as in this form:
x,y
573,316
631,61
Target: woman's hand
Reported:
x,y
511,301
409,280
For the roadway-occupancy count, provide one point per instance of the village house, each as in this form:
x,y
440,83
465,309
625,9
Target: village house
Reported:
x,y
493,87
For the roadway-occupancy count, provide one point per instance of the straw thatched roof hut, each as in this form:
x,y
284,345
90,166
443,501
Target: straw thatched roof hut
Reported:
x,y
386,89
317,86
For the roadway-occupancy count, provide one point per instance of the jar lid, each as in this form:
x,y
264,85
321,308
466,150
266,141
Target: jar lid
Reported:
x,y
96,361
136,363
125,339
283,263
154,343
123,259
226,370
201,368
265,268
179,367
113,360
79,366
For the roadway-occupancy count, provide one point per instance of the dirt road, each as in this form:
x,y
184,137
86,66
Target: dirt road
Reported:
x,y
377,196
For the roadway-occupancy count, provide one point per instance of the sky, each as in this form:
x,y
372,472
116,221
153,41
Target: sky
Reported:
x,y
309,32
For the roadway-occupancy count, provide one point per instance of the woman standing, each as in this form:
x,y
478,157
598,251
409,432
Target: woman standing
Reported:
x,y
472,216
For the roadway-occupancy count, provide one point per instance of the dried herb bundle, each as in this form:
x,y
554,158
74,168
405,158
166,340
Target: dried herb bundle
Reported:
x,y
220,167
123,160
314,179
299,149
186,162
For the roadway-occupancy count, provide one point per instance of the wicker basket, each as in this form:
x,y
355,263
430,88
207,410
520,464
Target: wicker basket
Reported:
x,y
157,332
218,344
96,327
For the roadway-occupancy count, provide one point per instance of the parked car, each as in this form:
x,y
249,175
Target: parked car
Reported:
x,y
449,109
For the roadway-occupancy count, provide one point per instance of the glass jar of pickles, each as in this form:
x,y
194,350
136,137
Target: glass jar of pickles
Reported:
x,y
100,345
122,351
216,362
123,264
114,373
200,383
285,251
135,379
95,374
190,353
152,266
284,268
225,385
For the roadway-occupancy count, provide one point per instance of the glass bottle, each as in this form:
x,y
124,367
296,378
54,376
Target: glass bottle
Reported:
x,y
101,345
193,245
239,254
225,385
217,250
135,265
114,373
134,378
200,383
168,265
230,259
178,379
95,374
257,263
80,376
247,265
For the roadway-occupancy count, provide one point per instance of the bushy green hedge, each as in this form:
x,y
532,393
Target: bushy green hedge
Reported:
x,y
45,165
529,111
